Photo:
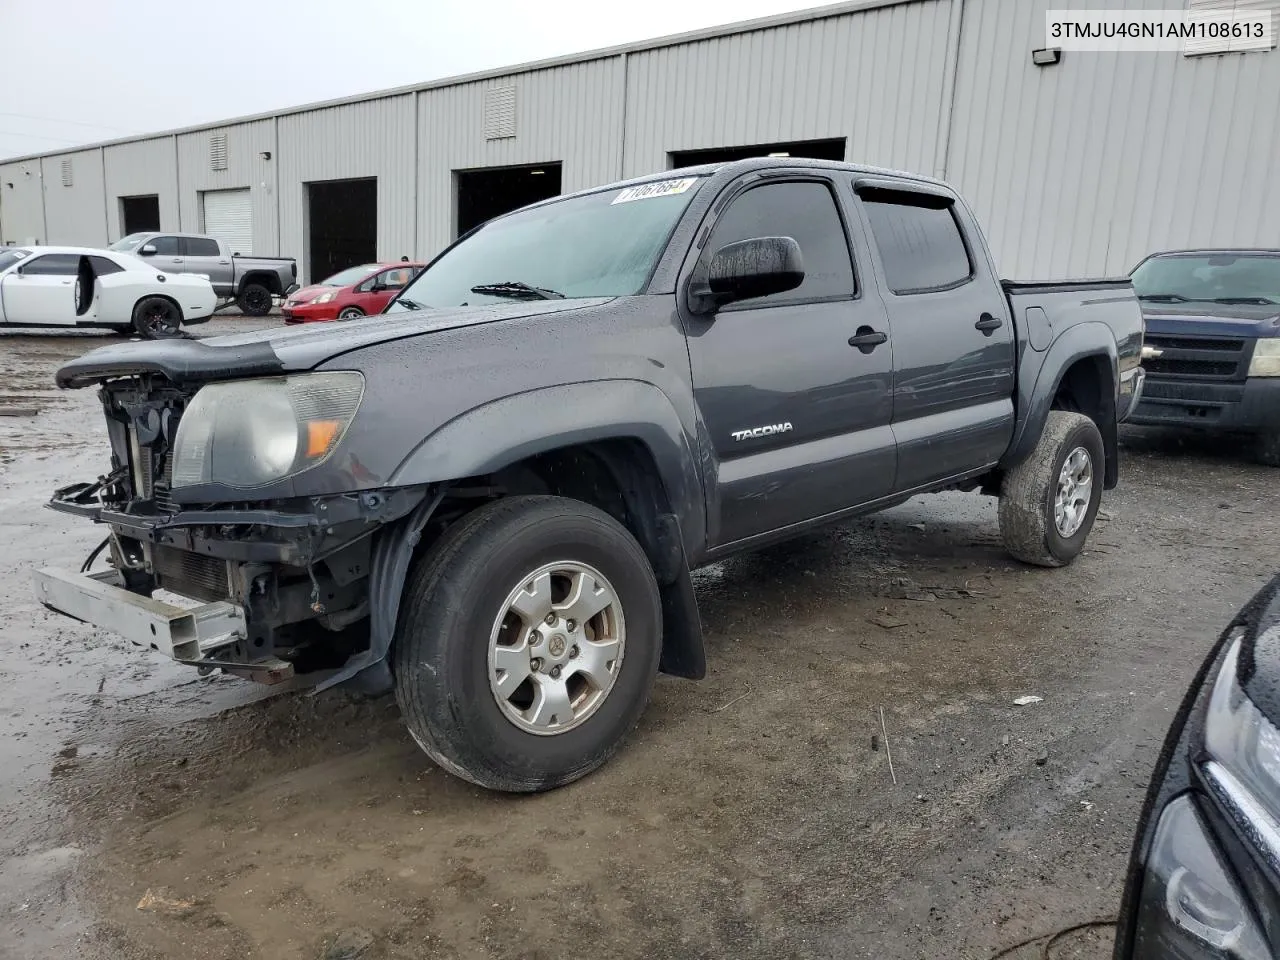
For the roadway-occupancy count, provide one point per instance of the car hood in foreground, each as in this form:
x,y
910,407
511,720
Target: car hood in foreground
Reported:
x,y
279,349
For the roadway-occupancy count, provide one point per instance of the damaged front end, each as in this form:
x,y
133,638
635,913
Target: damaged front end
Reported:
x,y
216,556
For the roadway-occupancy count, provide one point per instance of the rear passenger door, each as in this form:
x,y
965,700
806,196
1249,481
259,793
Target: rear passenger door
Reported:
x,y
203,256
953,337
797,416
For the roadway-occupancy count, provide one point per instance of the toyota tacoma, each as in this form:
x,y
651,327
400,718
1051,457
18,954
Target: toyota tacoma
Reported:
x,y
490,497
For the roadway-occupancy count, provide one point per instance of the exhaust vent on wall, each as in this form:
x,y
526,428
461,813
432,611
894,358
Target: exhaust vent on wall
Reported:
x,y
499,113
66,172
218,152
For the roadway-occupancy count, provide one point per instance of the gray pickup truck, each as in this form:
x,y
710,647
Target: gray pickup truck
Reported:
x,y
250,281
491,497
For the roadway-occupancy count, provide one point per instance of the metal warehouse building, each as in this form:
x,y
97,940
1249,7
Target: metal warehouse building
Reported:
x,y
1078,167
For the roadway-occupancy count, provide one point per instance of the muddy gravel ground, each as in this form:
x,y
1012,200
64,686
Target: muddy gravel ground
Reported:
x,y
147,813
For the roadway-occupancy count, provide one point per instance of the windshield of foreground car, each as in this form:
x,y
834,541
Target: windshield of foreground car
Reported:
x,y
125,244
349,276
1216,278
10,255
602,244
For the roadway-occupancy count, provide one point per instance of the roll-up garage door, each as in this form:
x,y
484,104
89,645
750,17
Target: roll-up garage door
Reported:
x,y
227,215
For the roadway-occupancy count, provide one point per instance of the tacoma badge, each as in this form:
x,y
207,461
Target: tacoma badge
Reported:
x,y
765,431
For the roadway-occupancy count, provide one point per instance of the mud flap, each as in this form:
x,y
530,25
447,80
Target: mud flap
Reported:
x,y
368,671
682,652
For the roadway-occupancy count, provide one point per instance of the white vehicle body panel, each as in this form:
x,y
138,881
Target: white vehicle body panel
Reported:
x,y
34,299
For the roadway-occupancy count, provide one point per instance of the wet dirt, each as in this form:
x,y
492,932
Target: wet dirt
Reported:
x,y
148,813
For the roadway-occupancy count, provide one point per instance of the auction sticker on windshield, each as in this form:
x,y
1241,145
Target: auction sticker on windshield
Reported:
x,y
647,191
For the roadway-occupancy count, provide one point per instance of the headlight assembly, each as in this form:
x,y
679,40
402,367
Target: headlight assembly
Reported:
x,y
246,433
1266,358
324,297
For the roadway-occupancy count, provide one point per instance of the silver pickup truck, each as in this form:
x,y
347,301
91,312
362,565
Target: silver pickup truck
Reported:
x,y
250,281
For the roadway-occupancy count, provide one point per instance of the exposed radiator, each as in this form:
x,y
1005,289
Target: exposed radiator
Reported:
x,y
191,574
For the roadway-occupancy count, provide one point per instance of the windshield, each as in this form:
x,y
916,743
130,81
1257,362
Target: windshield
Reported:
x,y
600,245
1222,278
349,276
131,242
9,256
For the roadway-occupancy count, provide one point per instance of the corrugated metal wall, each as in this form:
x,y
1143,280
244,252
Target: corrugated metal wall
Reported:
x,y
1074,169
371,139
76,214
245,167
570,114
21,202
1083,167
141,168
875,77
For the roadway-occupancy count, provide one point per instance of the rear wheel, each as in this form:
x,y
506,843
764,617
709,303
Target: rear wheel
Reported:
x,y
254,300
350,313
157,318
528,643
1049,501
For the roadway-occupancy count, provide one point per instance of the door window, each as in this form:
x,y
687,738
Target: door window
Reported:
x,y
806,212
201,247
920,243
165,246
53,265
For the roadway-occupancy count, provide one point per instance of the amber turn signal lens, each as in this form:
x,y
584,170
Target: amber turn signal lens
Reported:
x,y
321,435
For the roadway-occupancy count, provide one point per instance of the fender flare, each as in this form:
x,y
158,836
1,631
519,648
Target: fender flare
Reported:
x,y
494,435
1038,387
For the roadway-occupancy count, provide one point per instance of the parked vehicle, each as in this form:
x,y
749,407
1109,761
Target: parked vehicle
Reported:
x,y
350,294
80,287
1202,881
1213,343
251,282
493,496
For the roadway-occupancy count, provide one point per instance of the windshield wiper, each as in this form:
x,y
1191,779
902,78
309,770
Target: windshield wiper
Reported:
x,y
407,304
517,289
1259,300
1164,297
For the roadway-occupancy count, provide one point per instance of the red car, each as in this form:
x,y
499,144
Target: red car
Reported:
x,y
351,293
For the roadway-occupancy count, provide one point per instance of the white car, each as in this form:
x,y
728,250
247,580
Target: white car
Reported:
x,y
81,287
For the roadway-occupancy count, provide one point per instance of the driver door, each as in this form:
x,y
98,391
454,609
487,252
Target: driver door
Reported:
x,y
42,291
374,293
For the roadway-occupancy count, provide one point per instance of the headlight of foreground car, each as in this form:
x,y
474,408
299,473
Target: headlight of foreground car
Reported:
x,y
1190,908
245,433
324,297
1266,359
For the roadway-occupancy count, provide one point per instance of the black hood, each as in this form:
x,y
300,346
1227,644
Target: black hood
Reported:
x,y
282,349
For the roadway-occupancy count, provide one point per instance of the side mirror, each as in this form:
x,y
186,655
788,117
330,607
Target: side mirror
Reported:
x,y
753,268
147,250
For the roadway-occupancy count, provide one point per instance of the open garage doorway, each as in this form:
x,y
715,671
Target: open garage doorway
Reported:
x,y
342,225
491,192
139,214
812,149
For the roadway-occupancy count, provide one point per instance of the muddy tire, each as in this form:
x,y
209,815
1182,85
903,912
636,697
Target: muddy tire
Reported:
x,y
527,644
1049,501
254,300
157,318
1266,448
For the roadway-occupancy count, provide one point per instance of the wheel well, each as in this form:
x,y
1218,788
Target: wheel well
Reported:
x,y
1088,387
263,278
157,296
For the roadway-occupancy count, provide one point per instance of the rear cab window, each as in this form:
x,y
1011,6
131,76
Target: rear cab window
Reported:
x,y
200,247
922,248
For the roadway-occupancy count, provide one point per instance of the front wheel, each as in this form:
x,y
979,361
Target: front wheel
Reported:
x,y
254,300
156,318
350,313
1267,448
1049,501
528,643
